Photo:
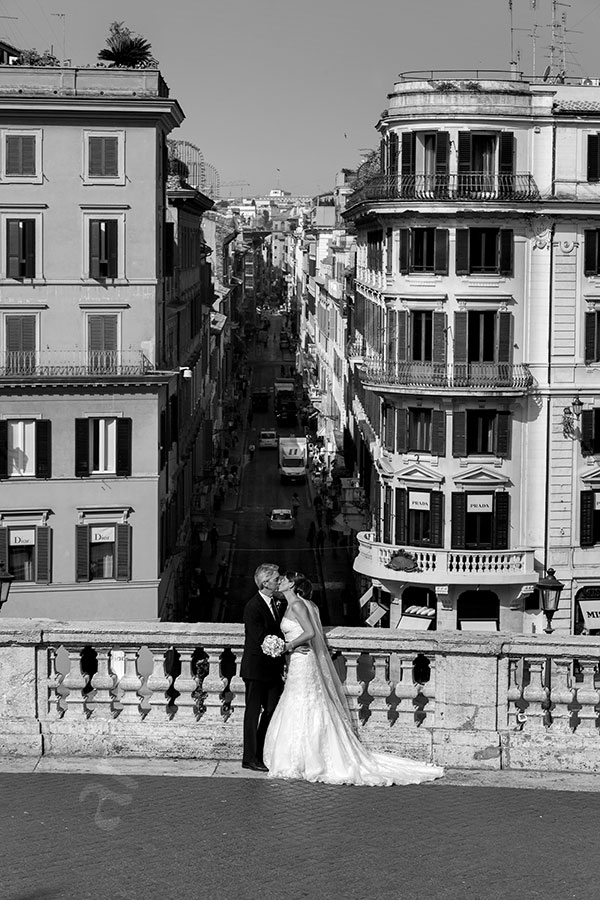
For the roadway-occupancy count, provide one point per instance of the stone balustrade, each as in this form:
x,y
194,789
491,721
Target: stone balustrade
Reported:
x,y
173,690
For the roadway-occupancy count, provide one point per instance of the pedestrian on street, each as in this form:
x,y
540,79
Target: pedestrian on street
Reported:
x,y
214,541
320,539
295,504
251,450
311,535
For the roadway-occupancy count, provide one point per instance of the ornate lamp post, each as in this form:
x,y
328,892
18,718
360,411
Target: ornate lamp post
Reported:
x,y
550,590
6,579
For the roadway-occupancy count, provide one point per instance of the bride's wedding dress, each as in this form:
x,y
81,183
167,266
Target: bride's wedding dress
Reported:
x,y
310,735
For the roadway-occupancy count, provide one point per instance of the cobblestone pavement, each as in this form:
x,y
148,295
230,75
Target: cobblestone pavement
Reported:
x,y
93,836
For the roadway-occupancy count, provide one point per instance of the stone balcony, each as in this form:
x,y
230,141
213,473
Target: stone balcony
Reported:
x,y
434,566
484,377
156,690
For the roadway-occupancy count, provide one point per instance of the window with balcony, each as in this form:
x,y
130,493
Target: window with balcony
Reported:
x,y
103,248
19,344
483,337
590,432
418,430
417,336
424,162
103,343
103,552
21,156
486,164
103,446
484,251
25,448
590,518
480,521
424,250
20,248
592,337
481,432
104,157
25,552
419,518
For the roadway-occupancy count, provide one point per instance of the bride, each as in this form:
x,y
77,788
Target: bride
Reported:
x,y
310,735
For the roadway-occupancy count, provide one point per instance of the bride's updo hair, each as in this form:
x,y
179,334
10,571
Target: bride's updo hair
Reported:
x,y
302,585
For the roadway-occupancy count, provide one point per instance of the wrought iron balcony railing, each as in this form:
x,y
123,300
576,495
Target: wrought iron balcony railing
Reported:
x,y
72,363
455,187
478,376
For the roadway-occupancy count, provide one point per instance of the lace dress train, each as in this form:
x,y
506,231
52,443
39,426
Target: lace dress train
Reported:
x,y
310,736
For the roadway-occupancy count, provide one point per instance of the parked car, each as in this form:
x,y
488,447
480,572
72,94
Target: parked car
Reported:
x,y
268,440
281,520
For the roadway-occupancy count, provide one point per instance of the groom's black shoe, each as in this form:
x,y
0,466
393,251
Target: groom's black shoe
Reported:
x,y
255,766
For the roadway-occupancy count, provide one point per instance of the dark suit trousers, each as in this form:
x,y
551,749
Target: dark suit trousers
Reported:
x,y
260,695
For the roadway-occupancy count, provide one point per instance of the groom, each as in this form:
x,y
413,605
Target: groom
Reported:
x,y
262,674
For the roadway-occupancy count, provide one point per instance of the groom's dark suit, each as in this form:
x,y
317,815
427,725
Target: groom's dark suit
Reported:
x,y
262,674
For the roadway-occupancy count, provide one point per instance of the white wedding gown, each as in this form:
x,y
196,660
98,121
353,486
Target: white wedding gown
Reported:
x,y
310,735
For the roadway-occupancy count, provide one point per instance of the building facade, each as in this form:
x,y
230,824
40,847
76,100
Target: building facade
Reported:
x,y
474,378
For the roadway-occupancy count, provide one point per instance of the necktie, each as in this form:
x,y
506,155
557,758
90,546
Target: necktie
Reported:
x,y
274,611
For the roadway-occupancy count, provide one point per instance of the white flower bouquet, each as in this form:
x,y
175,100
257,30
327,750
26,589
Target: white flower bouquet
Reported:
x,y
273,645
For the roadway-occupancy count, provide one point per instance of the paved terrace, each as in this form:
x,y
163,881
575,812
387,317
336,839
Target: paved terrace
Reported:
x,y
127,829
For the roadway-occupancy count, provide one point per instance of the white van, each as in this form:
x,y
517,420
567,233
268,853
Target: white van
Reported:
x,y
267,440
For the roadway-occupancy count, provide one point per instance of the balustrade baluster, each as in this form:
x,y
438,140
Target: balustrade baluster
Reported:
x,y
379,688
158,682
588,697
352,686
214,685
130,684
406,690
238,689
104,682
514,694
54,681
536,694
75,681
185,684
561,694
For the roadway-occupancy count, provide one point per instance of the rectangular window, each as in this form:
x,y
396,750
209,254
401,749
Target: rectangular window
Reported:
x,y
421,336
480,521
20,344
480,431
103,156
103,346
20,152
481,336
21,448
103,238
25,552
103,552
590,432
593,158
484,251
423,250
103,446
592,337
20,248
419,518
591,251
419,430
590,518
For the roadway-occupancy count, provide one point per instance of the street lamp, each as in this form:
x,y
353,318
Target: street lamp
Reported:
x,y
550,589
6,579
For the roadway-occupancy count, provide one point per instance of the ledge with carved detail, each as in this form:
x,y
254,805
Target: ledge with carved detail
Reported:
x,y
434,566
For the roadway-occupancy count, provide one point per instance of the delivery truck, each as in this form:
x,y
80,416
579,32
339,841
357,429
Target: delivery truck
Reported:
x,y
293,458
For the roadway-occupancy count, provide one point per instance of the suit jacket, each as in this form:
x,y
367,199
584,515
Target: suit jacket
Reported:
x,y
258,623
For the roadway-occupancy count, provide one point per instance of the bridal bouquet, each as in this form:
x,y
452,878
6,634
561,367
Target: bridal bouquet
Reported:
x,y
273,645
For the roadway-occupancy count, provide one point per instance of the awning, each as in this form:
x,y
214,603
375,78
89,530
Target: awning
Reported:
x,y
366,596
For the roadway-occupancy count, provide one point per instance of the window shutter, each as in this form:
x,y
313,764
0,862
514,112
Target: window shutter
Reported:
x,y
459,517
82,553
169,248
111,226
502,447
587,432
43,448
459,434
402,335
442,152
590,265
173,419
391,317
110,329
591,331
505,322
163,438
462,251
382,155
460,338
42,554
20,334
389,244
588,504
387,516
20,154
506,251
103,155
123,455
13,249
464,152
408,161
438,432
95,156
4,547
401,504
3,448
94,248
441,251
390,428
501,520
593,159
393,154
507,153
28,334
404,250
123,552
29,248
439,338
401,430
111,156
436,518
82,448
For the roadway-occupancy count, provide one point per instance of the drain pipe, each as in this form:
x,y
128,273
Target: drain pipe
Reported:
x,y
549,369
